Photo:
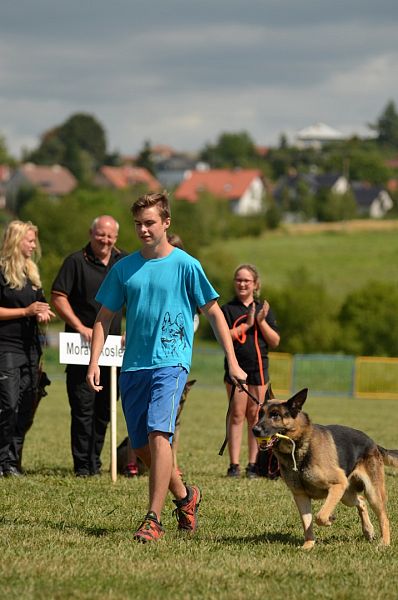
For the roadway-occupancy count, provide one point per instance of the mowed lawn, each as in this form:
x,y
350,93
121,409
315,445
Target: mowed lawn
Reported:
x,y
65,538
341,260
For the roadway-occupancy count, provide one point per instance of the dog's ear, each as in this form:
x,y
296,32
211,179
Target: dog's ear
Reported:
x,y
269,394
295,403
190,383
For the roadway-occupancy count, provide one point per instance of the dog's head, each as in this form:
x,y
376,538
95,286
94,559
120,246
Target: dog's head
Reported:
x,y
279,418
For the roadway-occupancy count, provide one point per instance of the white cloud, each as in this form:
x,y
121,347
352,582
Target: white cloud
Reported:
x,y
378,75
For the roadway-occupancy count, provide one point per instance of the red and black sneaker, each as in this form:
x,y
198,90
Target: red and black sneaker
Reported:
x,y
150,530
187,509
131,470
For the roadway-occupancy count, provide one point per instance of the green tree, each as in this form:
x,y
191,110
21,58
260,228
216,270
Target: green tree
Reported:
x,y
50,151
78,144
144,158
5,157
386,126
368,319
87,133
306,315
335,207
368,166
273,216
231,150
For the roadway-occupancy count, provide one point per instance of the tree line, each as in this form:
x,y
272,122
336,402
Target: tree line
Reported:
x,y
81,145
364,323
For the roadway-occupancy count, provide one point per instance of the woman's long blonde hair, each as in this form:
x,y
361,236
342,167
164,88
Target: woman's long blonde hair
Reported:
x,y
16,268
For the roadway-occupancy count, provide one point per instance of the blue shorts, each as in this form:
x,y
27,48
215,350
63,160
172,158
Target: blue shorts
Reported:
x,y
150,400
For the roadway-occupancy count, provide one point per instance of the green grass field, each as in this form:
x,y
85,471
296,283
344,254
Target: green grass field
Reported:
x,y
66,538
342,261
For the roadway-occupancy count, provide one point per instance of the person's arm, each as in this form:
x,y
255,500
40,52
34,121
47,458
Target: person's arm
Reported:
x,y
67,314
214,314
40,310
100,333
239,332
271,336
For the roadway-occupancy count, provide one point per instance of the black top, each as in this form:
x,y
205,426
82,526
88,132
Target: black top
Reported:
x,y
79,279
19,335
252,345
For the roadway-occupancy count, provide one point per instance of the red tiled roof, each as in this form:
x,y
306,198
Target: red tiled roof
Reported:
x,y
54,179
123,177
223,183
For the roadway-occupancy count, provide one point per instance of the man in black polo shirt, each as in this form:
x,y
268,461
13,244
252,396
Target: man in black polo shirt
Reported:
x,y
73,297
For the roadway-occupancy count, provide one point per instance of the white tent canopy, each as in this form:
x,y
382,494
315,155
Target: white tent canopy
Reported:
x,y
318,133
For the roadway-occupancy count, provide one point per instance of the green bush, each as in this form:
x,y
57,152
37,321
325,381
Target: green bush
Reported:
x,y
368,320
306,315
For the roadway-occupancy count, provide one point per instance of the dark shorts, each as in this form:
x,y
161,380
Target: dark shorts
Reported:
x,y
253,378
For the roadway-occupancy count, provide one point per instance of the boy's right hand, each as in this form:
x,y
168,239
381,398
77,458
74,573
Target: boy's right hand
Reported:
x,y
93,378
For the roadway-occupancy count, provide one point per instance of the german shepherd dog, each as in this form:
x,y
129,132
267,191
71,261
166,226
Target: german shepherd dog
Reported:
x,y
122,449
330,462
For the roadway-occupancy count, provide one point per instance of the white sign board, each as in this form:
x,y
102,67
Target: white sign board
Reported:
x,y
74,350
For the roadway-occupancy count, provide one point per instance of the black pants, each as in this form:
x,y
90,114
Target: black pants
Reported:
x,y
18,397
90,415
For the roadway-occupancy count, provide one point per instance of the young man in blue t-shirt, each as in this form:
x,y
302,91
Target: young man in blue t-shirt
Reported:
x,y
161,287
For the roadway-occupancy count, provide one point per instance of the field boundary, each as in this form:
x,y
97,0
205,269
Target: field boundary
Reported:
x,y
335,375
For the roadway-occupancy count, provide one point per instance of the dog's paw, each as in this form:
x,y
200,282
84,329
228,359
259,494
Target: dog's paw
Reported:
x,y
382,545
324,520
308,545
369,533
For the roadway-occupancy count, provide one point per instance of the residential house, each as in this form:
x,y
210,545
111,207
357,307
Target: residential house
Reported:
x,y
243,189
288,186
54,180
120,178
173,170
372,201
291,190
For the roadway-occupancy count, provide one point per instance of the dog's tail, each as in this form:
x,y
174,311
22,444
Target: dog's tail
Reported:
x,y
390,457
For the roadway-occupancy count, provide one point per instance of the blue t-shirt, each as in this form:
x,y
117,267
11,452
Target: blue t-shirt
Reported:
x,y
161,296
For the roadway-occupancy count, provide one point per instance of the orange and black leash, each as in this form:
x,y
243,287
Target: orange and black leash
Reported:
x,y
241,385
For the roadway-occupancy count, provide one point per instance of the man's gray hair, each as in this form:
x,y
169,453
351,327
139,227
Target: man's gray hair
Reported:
x,y
108,217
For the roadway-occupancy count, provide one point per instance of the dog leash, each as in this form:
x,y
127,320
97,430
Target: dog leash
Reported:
x,y
243,388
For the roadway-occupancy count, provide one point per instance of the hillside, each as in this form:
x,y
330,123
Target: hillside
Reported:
x,y
343,256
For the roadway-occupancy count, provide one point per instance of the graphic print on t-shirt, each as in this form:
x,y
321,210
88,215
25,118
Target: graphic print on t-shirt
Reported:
x,y
173,335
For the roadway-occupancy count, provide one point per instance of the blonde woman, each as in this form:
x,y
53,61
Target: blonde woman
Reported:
x,y
22,307
253,329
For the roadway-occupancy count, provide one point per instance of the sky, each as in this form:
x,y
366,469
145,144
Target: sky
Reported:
x,y
181,72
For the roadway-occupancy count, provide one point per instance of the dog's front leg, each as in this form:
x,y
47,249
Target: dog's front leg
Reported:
x,y
304,506
335,494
